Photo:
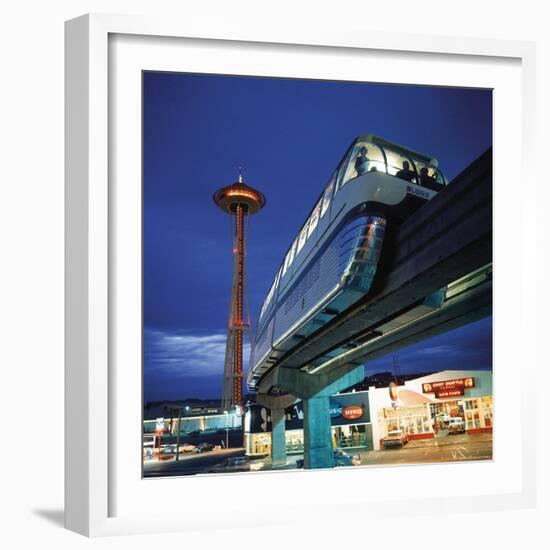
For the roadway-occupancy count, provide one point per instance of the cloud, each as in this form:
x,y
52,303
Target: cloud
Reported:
x,y
435,350
183,354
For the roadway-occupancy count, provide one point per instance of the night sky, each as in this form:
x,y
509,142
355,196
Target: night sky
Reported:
x,y
288,135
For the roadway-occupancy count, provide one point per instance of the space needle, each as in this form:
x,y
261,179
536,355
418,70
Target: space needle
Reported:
x,y
240,201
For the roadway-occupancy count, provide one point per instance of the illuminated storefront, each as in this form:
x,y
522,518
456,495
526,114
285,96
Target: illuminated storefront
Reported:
x,y
350,419
425,407
195,424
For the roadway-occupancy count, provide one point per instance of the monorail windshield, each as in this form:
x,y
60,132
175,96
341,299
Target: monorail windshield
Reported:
x,y
366,154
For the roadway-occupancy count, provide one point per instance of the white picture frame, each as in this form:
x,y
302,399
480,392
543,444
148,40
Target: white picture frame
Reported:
x,y
96,222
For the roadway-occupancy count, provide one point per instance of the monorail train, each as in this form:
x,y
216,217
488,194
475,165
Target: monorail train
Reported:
x,y
333,260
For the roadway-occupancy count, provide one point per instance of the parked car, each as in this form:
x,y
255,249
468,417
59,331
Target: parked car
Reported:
x,y
233,464
341,458
395,438
169,449
187,448
203,447
457,425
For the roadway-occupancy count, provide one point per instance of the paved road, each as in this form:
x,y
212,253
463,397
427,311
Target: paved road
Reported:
x,y
189,463
442,449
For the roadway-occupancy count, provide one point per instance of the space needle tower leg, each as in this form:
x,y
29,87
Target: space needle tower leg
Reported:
x,y
239,322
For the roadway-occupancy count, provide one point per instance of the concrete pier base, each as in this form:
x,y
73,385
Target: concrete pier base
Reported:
x,y
278,436
318,451
277,406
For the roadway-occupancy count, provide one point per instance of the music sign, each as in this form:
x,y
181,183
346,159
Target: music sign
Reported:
x,y
448,388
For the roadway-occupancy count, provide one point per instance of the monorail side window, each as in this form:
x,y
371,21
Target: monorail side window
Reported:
x,y
429,176
290,256
302,238
342,170
272,291
327,196
348,170
314,219
270,295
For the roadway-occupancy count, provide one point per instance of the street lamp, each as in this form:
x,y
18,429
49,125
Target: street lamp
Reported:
x,y
226,429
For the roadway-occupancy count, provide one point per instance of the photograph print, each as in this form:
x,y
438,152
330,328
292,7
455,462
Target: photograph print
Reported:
x,y
317,274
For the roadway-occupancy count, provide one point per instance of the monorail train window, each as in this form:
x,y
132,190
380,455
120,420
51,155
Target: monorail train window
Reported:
x,y
290,256
328,195
400,166
314,219
271,292
440,178
348,170
342,170
429,176
370,158
302,239
365,157
264,307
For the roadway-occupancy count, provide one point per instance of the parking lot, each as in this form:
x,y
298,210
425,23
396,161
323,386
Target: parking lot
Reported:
x,y
444,448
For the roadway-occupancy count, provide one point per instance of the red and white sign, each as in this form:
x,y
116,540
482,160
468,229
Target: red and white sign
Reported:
x,y
448,388
353,412
449,393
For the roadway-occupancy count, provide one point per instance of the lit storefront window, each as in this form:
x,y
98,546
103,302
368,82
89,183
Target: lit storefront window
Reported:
x,y
352,436
487,407
346,437
260,444
411,420
294,441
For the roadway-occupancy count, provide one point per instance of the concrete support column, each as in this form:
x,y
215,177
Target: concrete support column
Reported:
x,y
315,391
278,436
318,452
277,406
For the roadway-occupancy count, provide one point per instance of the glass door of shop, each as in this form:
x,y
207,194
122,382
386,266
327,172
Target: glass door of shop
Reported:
x,y
487,408
472,414
352,436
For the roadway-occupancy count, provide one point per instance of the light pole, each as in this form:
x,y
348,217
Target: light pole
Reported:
x,y
178,437
226,428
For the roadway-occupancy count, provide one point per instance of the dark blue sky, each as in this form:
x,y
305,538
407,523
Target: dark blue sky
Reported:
x,y
288,135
